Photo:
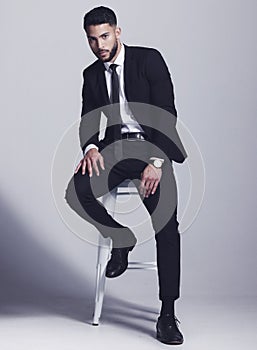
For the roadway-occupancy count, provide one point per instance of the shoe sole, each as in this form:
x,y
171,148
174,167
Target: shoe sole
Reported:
x,y
114,276
129,249
169,342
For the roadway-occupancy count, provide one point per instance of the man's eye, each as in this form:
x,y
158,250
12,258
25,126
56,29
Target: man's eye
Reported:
x,y
105,36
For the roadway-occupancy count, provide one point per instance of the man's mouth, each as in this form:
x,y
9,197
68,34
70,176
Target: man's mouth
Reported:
x,y
102,53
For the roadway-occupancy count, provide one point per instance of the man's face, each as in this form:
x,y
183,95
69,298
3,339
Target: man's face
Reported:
x,y
104,41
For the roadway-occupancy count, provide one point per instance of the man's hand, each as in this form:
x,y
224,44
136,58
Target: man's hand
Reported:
x,y
150,179
90,162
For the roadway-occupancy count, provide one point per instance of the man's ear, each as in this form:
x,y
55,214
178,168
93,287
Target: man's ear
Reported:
x,y
117,32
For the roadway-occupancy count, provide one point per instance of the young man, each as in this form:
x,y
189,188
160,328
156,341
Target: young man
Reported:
x,y
124,82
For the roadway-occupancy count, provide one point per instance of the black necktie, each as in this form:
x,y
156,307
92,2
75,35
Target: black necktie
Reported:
x,y
115,84
116,118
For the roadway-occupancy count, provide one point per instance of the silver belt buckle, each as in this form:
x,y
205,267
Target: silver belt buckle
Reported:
x,y
139,137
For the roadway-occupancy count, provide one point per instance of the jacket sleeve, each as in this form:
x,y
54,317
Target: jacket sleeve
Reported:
x,y
90,116
164,133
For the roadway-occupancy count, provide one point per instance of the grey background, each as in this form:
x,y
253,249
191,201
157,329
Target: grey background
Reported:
x,y
210,48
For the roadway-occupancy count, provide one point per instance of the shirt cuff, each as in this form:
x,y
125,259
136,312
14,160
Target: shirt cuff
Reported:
x,y
90,147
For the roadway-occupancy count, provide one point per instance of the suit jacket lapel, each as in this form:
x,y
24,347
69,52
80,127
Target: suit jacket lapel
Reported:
x,y
127,71
101,85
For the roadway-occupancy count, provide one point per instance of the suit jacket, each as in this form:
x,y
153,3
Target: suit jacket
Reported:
x,y
149,91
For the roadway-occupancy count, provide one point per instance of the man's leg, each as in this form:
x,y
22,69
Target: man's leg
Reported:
x,y
162,206
82,193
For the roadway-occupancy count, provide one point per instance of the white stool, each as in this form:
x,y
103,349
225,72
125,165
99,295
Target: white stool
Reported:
x,y
104,248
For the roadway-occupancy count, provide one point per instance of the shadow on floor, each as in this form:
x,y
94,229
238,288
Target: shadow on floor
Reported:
x,y
34,282
32,279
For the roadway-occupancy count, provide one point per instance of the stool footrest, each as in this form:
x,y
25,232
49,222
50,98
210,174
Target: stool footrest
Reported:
x,y
145,265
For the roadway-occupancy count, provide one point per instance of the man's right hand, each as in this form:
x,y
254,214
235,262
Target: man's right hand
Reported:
x,y
90,162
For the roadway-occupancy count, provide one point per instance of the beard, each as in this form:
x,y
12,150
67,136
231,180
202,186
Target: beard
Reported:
x,y
112,53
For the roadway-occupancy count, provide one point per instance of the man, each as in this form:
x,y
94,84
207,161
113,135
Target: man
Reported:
x,y
140,143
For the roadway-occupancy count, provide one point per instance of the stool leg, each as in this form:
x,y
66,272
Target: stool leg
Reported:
x,y
103,257
104,251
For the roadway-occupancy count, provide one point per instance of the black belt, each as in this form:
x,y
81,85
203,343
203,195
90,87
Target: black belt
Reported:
x,y
133,136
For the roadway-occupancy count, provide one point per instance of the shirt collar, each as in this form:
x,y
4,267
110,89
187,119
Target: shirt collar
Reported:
x,y
119,59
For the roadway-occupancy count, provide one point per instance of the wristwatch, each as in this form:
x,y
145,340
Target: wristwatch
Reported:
x,y
157,162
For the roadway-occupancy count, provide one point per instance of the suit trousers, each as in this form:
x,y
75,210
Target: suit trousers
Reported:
x,y
82,193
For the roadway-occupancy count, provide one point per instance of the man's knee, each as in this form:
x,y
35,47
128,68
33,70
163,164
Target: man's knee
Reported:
x,y
72,199
70,193
79,190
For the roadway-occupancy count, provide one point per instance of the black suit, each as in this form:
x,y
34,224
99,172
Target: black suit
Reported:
x,y
147,83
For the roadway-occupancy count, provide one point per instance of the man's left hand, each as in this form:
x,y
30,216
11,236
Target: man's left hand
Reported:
x,y
150,179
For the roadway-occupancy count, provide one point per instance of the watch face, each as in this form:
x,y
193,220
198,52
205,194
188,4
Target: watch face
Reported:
x,y
157,163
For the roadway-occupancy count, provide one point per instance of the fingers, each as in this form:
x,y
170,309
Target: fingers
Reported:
x,y
95,167
89,163
155,185
150,187
150,179
78,167
146,186
101,161
142,185
95,160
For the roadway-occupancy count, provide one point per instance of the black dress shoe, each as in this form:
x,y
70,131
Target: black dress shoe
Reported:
x,y
118,262
167,330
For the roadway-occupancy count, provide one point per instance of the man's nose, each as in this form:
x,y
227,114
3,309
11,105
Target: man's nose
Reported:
x,y
100,44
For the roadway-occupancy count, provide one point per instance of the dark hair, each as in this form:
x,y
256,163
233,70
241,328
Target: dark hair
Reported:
x,y
100,15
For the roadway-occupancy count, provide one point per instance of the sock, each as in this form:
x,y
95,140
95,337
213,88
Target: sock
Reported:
x,y
167,307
